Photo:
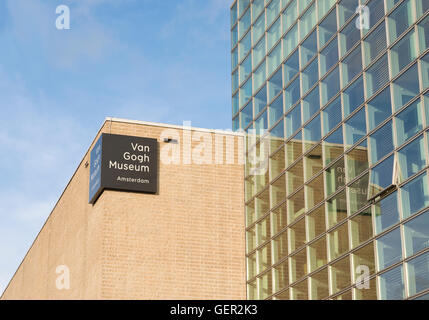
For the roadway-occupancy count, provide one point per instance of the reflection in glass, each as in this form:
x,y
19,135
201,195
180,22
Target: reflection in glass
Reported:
x,y
418,274
300,291
265,285
386,212
355,127
335,177
336,209
358,194
361,227
316,222
409,122
310,104
392,284
375,43
406,87
312,133
298,265
338,241
327,28
353,97
340,274
412,158
318,254
296,205
389,249
297,235
377,76
332,115
381,177
281,276
315,192
280,247
279,218
319,285
379,108
313,162
415,195
381,142
416,234
363,257
333,146
357,161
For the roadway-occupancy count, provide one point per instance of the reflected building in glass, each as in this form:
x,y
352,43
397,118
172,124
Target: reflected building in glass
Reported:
x,y
334,96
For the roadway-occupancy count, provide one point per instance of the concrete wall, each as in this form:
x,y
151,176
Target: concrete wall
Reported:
x,y
187,242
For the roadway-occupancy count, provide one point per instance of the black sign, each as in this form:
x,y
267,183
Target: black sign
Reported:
x,y
123,163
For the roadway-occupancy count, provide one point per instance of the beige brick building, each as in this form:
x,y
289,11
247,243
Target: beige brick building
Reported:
x,y
185,242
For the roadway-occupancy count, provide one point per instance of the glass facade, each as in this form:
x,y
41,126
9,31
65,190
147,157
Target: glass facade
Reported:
x,y
334,98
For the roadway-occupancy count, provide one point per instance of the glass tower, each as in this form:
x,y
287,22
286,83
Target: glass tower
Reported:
x,y
334,98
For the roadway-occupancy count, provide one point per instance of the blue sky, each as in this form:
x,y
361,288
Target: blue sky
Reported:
x,y
164,61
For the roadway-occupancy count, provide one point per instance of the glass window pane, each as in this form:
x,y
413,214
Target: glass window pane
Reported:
x,y
265,285
340,275
260,100
315,192
258,28
409,122
411,159
349,36
313,163
422,7
234,58
406,87
335,177
308,21
415,195
357,161
298,264
324,6
275,85
377,76
278,217
263,230
423,28
290,15
261,123
257,8
424,62
417,234
309,48
355,127
358,194
273,11
259,52
318,254
295,177
281,276
235,124
244,24
330,86
400,19
312,133
381,142
338,242
353,96
403,53
292,94
280,247
290,41
246,115
379,108
276,110
374,44
389,249
336,209
291,67
277,163
332,115
293,121
327,28
300,291
418,274
328,57
351,66
333,145
294,148
381,177
274,34
234,14
316,222
386,212
296,205
245,69
367,294
310,104
392,284
244,46
234,36
347,9
376,12
278,191
361,229
309,76
251,266
274,59
259,76
242,5
297,235
234,81
320,285
277,135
